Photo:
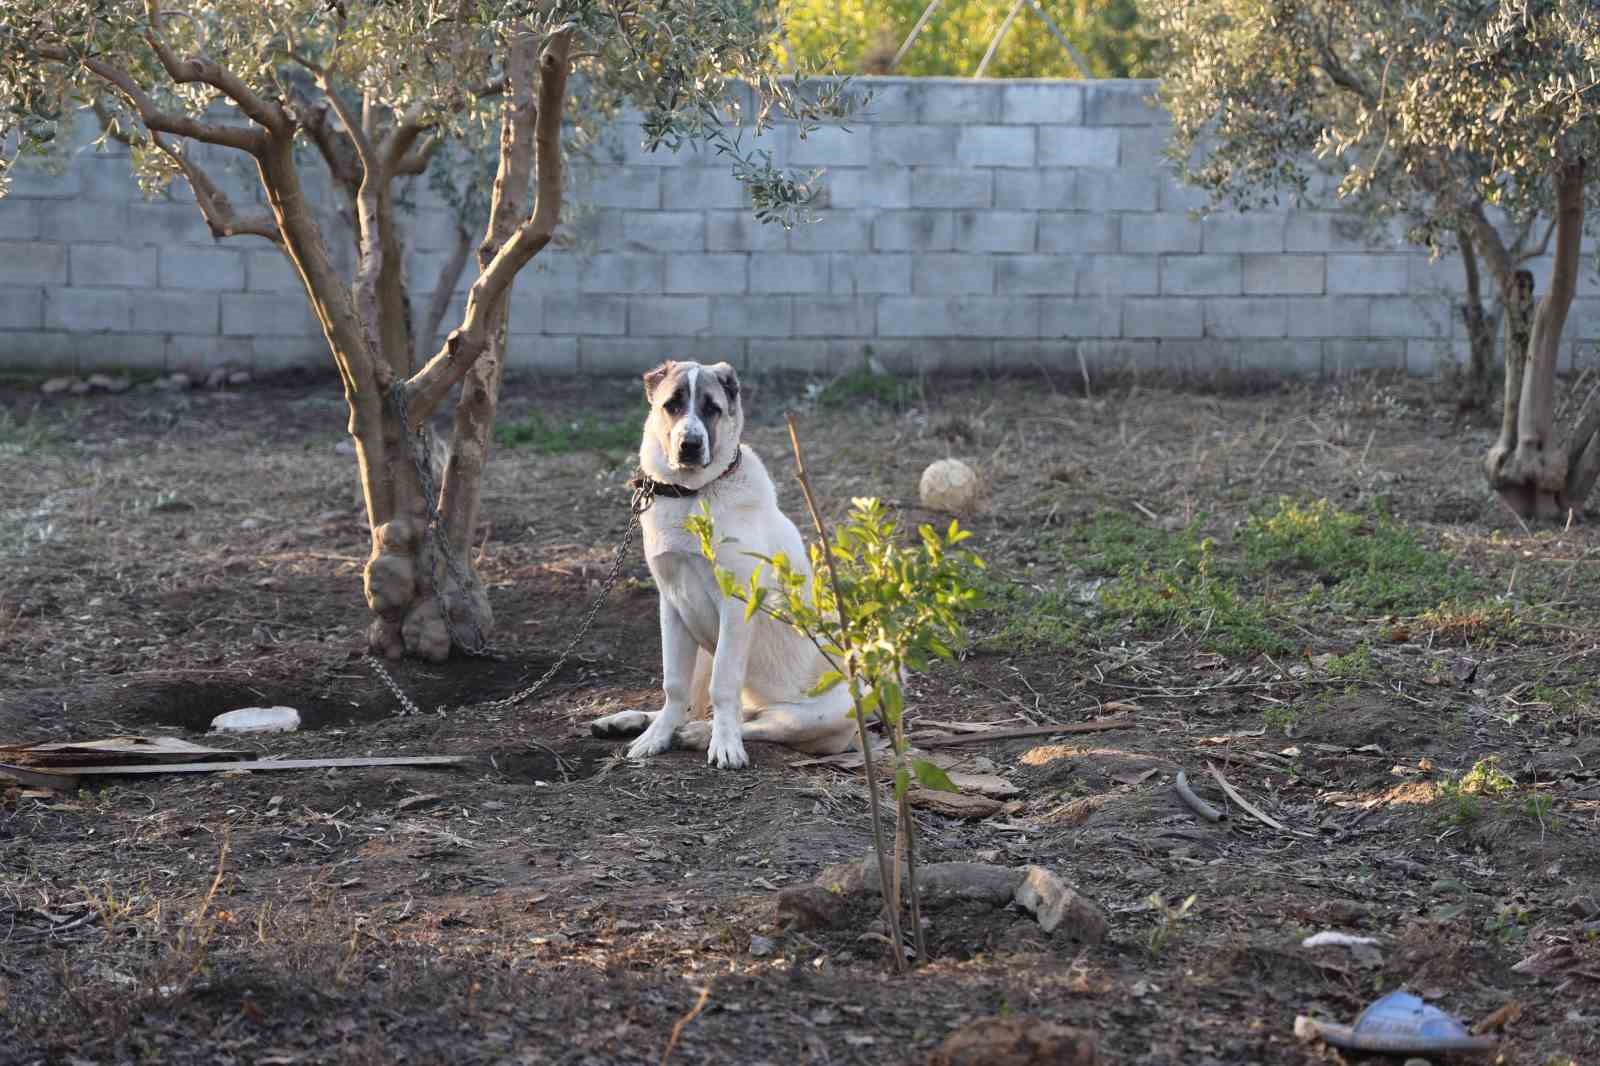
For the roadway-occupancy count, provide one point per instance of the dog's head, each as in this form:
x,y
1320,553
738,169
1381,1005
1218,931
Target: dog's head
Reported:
x,y
696,420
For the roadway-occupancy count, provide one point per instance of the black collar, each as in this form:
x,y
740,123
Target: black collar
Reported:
x,y
648,486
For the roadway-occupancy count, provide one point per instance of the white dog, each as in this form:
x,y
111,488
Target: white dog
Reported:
x,y
754,675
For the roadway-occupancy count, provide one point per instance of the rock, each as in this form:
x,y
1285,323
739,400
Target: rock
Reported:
x,y
762,946
217,378
176,382
1058,906
120,383
105,382
79,388
1016,1042
56,386
257,720
239,377
1584,906
949,485
944,883
805,907
345,447
954,804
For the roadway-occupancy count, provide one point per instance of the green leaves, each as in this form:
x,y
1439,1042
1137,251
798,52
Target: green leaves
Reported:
x,y
930,776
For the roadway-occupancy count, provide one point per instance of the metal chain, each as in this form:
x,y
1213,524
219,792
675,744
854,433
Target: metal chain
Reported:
x,y
643,497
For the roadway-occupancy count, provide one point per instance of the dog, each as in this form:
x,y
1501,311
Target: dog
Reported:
x,y
755,676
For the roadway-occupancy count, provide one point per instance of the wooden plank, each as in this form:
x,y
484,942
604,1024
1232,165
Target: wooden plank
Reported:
x,y
1100,726
59,781
273,764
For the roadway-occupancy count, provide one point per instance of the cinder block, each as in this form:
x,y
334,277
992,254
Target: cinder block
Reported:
x,y
1036,190
432,230
1079,146
279,353
621,272
1341,355
1201,356
996,146
1429,356
1178,196
1253,316
947,187
1163,317
878,187
1386,275
553,270
585,314
835,316
1248,232
1443,275
960,100
1042,102
1078,232
625,142
789,273
834,231
996,231
914,145
21,309
269,270
1285,275
103,265
45,350
1406,316
1298,358
738,231
526,309
914,231
1323,231
89,310
924,355
629,355
957,316
32,263
1330,316
76,221
18,220
211,269
1119,356
752,316
663,231
1583,321
889,99
616,186
719,273
703,188
1081,316
32,179
852,274
196,353
104,178
669,316
1143,148
533,351
1201,275
826,146
253,314
1160,232
177,312
767,354
1114,190
1119,275
953,273
1051,274
120,351
1121,103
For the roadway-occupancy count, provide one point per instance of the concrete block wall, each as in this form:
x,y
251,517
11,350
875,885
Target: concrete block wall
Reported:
x,y
965,224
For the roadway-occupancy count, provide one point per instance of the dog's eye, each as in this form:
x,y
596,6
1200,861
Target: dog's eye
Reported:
x,y
674,405
709,410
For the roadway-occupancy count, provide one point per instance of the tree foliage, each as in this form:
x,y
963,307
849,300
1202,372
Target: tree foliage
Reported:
x,y
372,89
1441,114
863,35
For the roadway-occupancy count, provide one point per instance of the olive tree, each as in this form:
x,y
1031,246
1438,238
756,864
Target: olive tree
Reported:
x,y
376,91
1454,117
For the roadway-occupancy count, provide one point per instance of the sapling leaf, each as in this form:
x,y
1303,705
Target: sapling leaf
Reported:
x,y
930,776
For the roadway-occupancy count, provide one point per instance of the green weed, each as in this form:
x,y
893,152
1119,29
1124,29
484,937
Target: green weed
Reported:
x,y
865,385
547,437
1196,594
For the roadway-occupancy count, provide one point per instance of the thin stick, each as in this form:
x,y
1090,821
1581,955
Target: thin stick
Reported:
x,y
911,872
1244,804
1196,804
995,735
891,908
677,1030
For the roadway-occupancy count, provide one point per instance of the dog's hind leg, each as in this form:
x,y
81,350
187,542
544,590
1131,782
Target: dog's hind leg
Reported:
x,y
819,725
622,724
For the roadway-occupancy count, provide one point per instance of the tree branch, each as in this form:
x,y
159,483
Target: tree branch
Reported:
x,y
202,69
214,203
434,381
1544,245
156,120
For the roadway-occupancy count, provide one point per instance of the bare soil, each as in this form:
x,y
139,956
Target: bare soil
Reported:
x,y
164,558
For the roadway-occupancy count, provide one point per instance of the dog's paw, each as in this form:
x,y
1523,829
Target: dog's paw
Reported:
x,y
621,724
652,741
726,750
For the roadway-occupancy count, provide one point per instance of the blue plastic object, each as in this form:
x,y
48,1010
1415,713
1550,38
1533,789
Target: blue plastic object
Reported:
x,y
1402,1024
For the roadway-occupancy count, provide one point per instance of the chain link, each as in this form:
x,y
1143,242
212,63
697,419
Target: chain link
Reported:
x,y
477,645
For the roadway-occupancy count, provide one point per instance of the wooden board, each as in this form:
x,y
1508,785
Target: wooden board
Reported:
x,y
269,764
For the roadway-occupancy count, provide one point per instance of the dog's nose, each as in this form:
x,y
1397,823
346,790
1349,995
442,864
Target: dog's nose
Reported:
x,y
690,451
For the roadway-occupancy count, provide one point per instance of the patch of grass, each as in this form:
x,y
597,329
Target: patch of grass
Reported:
x,y
1466,622
549,437
1370,561
1355,663
21,435
1027,618
1112,542
1280,718
1485,800
865,385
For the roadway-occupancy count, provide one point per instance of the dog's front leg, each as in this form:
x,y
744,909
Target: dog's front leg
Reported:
x,y
728,664
677,682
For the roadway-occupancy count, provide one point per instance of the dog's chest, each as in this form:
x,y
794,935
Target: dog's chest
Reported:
x,y
689,587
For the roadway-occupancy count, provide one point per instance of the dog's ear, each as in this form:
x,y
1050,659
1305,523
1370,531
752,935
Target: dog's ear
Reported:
x,y
729,379
655,377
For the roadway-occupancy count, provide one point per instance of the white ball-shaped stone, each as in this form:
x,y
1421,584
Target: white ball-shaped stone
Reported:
x,y
949,485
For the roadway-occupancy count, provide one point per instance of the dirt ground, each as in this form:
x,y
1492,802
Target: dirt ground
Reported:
x,y
165,557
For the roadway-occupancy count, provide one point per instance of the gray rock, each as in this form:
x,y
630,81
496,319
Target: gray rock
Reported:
x,y
1058,906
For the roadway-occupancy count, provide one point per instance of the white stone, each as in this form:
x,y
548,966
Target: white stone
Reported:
x,y
949,485
257,720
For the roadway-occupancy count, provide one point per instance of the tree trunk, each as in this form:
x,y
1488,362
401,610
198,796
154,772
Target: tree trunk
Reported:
x,y
1527,466
1480,333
